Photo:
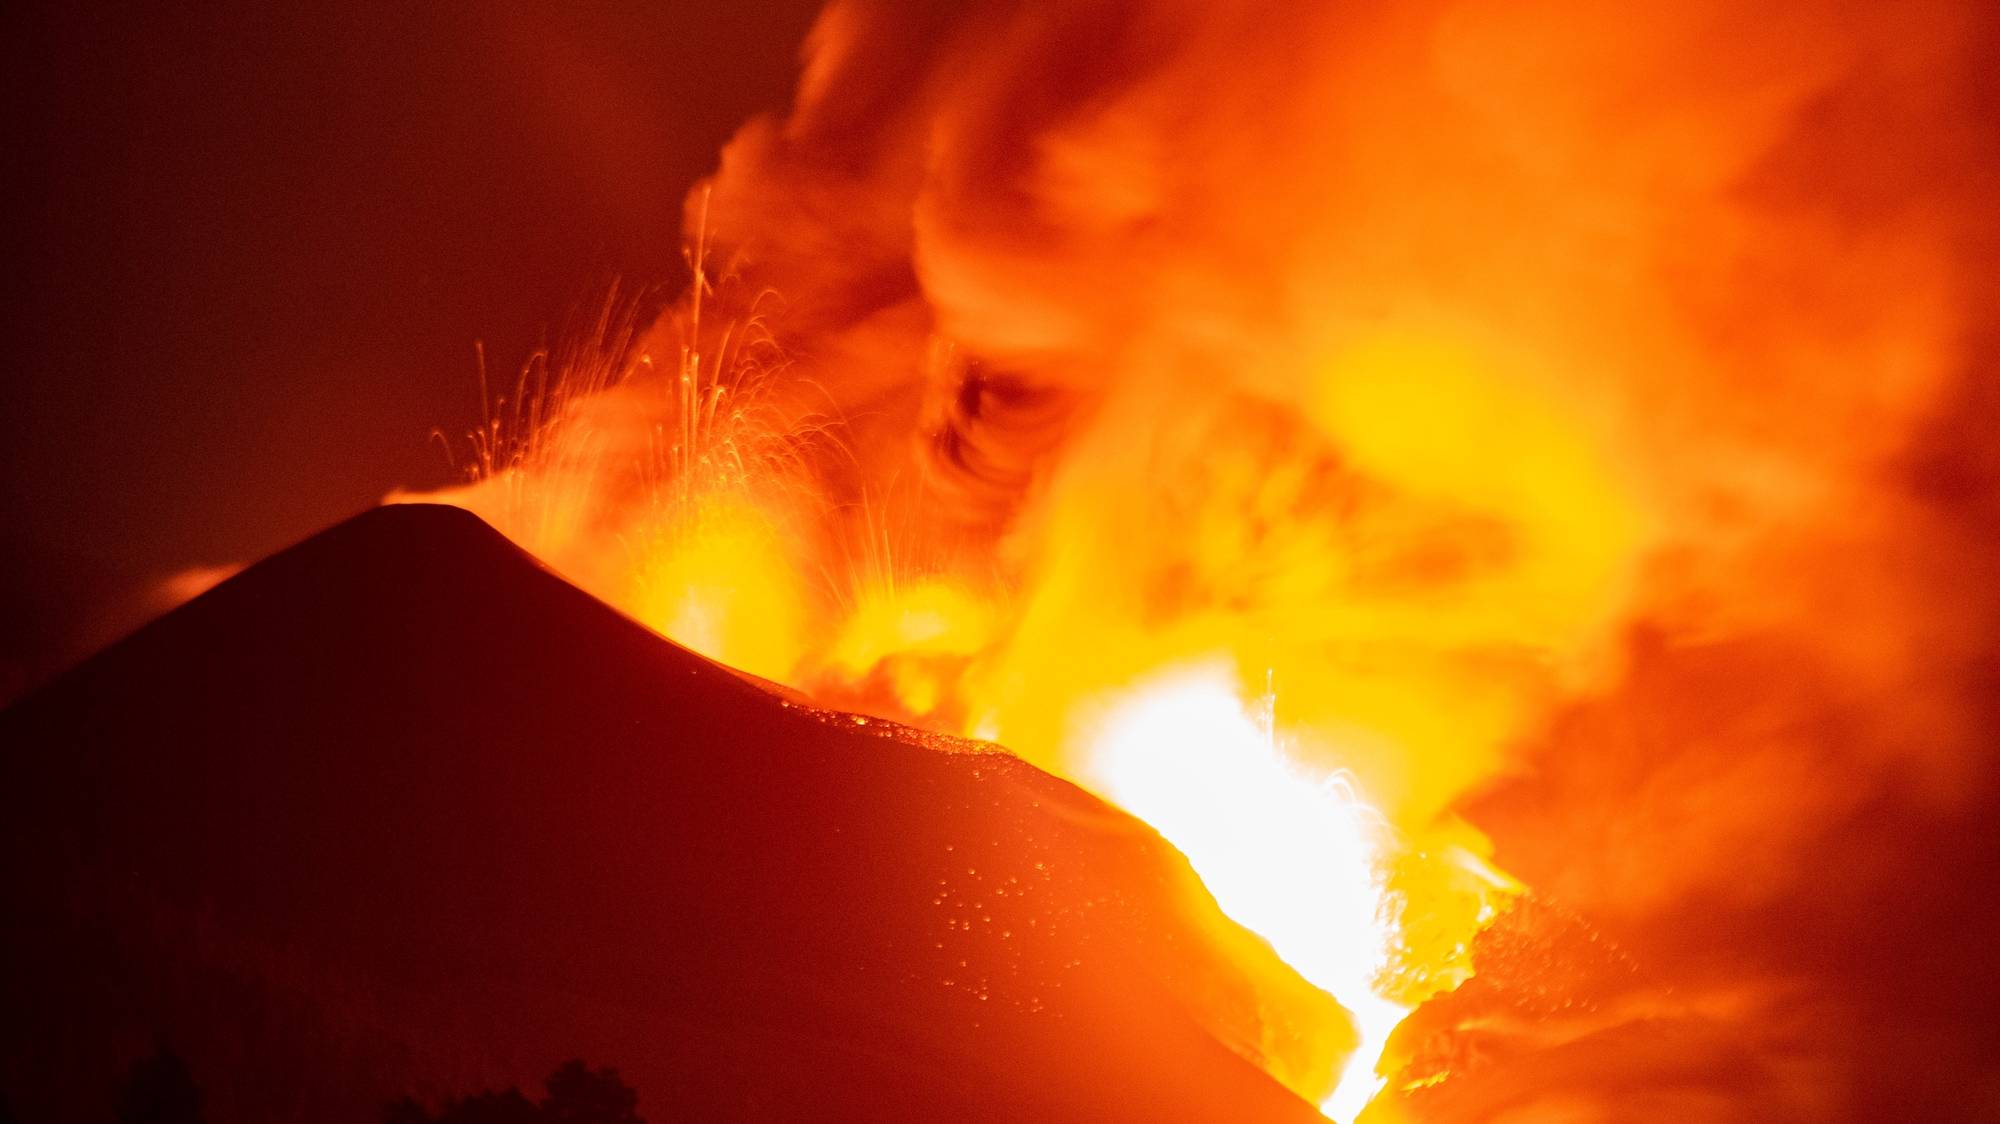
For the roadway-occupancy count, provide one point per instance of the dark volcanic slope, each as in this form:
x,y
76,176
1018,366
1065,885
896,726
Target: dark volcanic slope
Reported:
x,y
398,809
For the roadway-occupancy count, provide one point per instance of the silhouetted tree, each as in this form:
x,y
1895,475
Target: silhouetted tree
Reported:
x,y
580,1095
509,1107
577,1094
159,1090
405,1111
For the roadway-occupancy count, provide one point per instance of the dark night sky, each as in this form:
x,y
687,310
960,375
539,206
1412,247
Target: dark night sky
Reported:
x,y
259,242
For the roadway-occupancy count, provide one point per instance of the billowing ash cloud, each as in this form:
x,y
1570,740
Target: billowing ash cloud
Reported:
x,y
1584,412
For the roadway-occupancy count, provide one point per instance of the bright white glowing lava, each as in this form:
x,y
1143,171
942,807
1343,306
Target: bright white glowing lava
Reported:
x,y
1293,857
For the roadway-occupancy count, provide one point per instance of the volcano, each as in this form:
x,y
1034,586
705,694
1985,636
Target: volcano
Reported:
x,y
399,810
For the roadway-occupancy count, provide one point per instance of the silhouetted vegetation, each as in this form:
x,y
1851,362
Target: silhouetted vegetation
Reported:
x,y
159,1090
576,1094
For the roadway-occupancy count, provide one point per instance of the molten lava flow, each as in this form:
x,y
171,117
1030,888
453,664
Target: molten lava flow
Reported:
x,y
1299,859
